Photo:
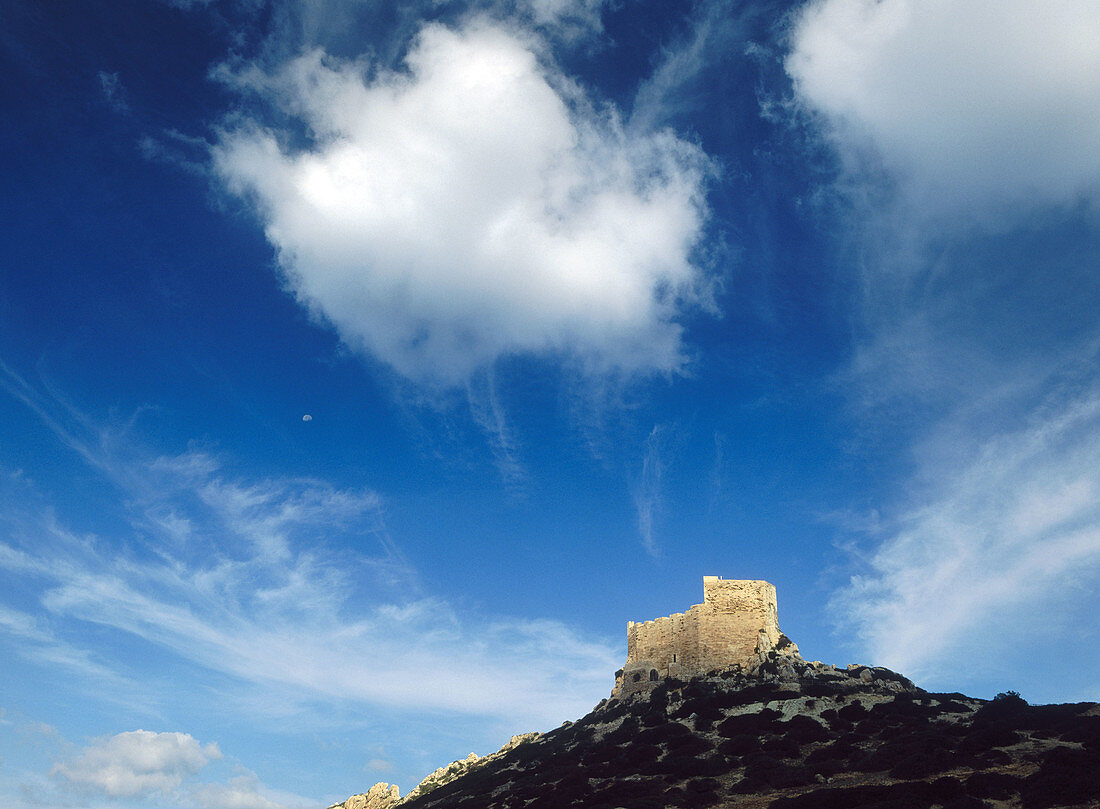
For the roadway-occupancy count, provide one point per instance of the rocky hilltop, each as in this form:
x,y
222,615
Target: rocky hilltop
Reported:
x,y
773,731
756,737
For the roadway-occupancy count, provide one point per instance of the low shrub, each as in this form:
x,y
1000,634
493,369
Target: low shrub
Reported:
x,y
840,750
688,745
1066,776
831,716
923,765
664,733
823,687
757,724
740,745
853,712
781,747
638,755
1004,705
993,758
914,755
992,785
986,737
1086,732
913,795
805,730
627,731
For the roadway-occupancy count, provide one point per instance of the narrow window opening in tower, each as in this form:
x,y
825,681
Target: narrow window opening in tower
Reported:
x,y
652,675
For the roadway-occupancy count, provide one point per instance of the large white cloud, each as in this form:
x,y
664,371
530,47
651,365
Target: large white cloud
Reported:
x,y
967,103
473,206
138,763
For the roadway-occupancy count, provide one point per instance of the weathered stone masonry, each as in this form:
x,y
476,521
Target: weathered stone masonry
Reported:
x,y
736,620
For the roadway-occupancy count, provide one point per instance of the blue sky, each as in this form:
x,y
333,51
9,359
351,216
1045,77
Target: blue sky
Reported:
x,y
364,368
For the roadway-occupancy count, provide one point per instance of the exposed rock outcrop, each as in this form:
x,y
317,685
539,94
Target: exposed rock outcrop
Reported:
x,y
379,796
385,796
456,769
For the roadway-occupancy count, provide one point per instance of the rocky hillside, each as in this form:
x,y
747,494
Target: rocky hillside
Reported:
x,y
784,734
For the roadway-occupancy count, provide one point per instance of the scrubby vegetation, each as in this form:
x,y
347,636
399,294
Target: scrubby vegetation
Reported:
x,y
833,741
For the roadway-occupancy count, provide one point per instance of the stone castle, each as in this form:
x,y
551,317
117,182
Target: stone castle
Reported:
x,y
737,620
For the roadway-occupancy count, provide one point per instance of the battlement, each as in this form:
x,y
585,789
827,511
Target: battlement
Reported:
x,y
737,619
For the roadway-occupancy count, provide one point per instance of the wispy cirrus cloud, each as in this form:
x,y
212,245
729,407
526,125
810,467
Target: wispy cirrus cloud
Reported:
x,y
37,641
648,489
254,580
114,93
483,396
980,565
566,19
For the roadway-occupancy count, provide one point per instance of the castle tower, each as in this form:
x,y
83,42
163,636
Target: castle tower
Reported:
x,y
737,619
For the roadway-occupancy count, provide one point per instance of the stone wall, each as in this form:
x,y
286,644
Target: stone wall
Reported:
x,y
736,619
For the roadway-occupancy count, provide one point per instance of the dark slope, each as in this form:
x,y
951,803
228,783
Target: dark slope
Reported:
x,y
829,738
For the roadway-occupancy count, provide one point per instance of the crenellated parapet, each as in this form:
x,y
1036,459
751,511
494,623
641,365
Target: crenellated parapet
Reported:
x,y
737,619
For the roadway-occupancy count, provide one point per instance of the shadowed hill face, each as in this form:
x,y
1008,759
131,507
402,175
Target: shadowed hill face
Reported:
x,y
843,738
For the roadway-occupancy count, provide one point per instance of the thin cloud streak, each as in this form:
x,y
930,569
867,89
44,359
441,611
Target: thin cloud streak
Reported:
x,y
228,574
648,490
992,554
483,398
